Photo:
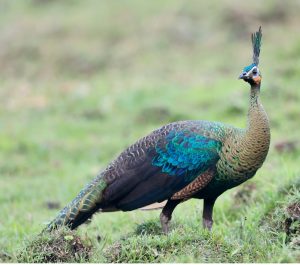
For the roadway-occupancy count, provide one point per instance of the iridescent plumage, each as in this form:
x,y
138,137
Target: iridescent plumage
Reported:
x,y
186,154
181,160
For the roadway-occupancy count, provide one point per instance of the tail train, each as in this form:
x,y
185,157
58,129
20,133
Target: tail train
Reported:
x,y
82,207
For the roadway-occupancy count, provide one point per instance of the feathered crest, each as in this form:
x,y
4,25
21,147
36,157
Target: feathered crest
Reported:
x,y
256,43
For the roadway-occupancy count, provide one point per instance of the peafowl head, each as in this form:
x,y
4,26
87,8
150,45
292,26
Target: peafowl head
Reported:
x,y
251,73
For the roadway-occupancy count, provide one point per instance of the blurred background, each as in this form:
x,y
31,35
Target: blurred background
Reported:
x,y
82,80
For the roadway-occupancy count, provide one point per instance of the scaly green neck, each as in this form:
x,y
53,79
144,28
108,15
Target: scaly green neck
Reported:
x,y
243,153
258,121
257,135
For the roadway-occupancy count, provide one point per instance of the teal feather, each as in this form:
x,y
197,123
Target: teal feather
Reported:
x,y
249,67
186,153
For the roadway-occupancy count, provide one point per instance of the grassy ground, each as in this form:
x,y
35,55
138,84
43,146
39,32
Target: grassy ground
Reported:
x,y
81,80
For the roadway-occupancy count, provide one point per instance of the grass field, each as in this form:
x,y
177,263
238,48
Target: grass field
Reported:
x,y
81,80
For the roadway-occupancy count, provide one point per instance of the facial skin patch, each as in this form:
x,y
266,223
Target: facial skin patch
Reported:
x,y
257,80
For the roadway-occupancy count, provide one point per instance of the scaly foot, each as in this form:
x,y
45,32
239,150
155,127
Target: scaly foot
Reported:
x,y
165,223
207,224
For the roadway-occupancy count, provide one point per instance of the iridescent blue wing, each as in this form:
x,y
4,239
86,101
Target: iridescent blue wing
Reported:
x,y
166,167
186,154
153,169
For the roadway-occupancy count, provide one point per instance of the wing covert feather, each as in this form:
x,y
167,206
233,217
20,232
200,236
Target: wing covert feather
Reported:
x,y
159,165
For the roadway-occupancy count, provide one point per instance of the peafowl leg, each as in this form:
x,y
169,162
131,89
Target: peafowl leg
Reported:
x,y
166,214
208,213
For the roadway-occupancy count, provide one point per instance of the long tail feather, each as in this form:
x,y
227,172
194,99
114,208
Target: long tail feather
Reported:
x,y
82,207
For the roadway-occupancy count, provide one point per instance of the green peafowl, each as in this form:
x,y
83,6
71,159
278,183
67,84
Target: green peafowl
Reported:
x,y
181,160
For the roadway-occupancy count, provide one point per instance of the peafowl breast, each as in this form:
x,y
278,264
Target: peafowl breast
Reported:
x,y
181,160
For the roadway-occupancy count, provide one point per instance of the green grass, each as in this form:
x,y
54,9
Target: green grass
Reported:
x,y
80,81
61,246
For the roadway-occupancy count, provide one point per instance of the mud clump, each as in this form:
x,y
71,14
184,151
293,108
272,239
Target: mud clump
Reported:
x,y
292,221
58,246
284,216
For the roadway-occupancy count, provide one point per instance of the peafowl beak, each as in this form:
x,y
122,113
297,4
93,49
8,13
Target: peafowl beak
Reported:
x,y
243,75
